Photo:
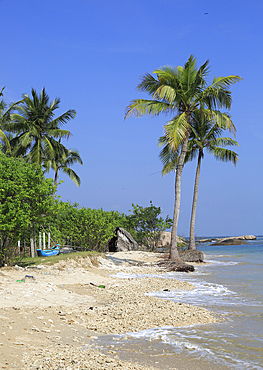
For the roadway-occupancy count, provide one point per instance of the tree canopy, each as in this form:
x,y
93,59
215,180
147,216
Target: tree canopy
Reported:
x,y
25,195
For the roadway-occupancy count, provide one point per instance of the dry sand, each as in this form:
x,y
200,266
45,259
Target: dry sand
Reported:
x,y
46,320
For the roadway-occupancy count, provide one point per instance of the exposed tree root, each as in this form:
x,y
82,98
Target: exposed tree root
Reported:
x,y
179,266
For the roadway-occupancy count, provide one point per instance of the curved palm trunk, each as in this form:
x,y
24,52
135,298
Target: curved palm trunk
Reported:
x,y
192,245
174,254
56,177
55,181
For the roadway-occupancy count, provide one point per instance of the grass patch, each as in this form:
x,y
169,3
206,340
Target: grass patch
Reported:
x,y
29,261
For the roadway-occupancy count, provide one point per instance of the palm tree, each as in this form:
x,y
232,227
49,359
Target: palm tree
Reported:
x,y
4,121
204,135
37,129
62,162
180,91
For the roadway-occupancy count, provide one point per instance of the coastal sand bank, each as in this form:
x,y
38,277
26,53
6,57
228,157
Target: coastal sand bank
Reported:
x,y
46,320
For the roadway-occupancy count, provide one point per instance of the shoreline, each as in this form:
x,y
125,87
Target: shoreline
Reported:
x,y
69,312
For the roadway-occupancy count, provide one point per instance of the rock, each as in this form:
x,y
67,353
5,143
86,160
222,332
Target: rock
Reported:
x,y
250,237
165,239
191,256
233,240
122,242
230,241
205,240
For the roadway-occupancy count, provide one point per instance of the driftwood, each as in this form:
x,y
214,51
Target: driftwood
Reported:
x,y
178,266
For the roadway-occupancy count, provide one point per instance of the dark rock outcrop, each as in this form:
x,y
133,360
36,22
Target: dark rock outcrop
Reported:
x,y
122,242
230,241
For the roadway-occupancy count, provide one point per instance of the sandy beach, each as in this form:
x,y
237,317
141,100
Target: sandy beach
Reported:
x,y
51,316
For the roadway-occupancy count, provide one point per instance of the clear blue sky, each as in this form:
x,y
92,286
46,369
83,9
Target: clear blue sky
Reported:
x,y
91,54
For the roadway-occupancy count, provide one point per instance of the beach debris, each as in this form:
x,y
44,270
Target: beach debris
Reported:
x,y
20,281
98,286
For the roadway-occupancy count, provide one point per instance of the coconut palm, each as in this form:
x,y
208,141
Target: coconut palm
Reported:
x,y
62,162
180,91
37,129
204,135
4,121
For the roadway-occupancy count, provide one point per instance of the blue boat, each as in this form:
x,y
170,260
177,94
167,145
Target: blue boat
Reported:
x,y
48,252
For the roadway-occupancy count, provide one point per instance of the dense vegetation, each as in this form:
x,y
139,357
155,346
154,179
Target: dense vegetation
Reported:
x,y
28,207
25,196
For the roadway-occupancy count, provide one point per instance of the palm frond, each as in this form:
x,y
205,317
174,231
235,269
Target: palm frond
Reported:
x,y
166,93
223,154
176,130
148,84
72,174
140,107
225,82
222,120
225,141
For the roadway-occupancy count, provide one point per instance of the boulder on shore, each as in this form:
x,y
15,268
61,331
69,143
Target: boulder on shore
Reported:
x,y
122,242
165,239
192,256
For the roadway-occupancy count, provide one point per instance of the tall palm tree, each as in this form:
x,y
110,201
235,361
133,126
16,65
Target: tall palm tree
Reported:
x,y
62,162
37,129
5,118
204,135
180,91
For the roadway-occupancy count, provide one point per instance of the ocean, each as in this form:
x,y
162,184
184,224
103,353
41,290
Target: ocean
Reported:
x,y
229,284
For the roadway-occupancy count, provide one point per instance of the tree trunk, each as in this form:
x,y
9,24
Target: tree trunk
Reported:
x,y
174,254
55,181
56,178
192,245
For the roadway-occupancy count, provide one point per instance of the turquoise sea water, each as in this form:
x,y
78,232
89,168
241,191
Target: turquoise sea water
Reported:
x,y
230,284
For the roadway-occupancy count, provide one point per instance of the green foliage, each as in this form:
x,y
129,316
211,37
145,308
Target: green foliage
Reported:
x,y
62,162
146,225
4,120
86,228
37,129
25,195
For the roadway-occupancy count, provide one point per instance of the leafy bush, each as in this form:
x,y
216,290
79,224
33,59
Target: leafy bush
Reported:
x,y
86,228
146,225
25,195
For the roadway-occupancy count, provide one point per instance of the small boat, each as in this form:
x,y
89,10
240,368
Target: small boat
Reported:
x,y
48,252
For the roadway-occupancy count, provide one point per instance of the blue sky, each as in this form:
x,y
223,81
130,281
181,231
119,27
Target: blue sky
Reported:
x,y
92,54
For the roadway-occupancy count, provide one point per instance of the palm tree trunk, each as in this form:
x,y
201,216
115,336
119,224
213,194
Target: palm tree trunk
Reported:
x,y
56,178
55,181
174,254
192,245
